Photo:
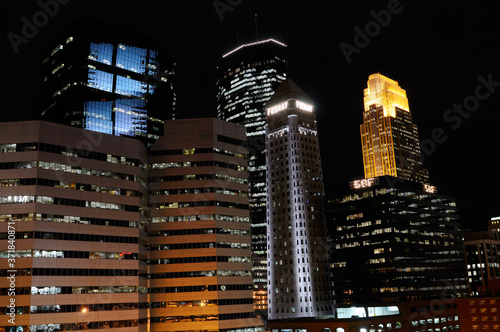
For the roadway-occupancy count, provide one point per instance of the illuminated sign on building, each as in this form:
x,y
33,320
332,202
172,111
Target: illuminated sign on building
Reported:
x,y
284,105
303,106
430,189
364,183
277,108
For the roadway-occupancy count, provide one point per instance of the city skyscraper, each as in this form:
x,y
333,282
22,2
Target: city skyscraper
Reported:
x,y
101,232
482,259
298,284
394,237
246,78
105,78
395,241
389,138
72,227
199,235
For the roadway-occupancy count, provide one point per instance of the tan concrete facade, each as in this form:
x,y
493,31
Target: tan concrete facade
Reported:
x,y
74,209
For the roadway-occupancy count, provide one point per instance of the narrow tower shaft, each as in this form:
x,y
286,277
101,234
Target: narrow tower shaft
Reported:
x,y
296,235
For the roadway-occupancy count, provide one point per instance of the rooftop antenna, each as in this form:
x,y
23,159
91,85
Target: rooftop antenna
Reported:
x,y
285,36
256,29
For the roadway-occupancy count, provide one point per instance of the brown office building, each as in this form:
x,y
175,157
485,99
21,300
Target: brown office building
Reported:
x,y
200,242
71,227
77,220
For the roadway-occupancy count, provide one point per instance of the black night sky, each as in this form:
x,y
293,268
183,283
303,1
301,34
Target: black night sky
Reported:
x,y
435,50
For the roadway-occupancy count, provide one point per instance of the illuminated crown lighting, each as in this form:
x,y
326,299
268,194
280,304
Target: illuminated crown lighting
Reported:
x,y
255,43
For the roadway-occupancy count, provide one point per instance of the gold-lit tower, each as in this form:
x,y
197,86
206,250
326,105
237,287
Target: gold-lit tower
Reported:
x,y
388,136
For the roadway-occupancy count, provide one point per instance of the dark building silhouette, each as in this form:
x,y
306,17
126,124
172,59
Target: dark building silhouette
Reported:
x,y
395,240
246,78
106,78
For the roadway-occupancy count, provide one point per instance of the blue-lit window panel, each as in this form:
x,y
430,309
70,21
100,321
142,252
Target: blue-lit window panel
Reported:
x,y
130,117
152,66
100,80
101,52
130,87
131,58
98,116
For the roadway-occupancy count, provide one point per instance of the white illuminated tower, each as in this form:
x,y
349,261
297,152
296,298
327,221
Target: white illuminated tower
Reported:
x,y
298,283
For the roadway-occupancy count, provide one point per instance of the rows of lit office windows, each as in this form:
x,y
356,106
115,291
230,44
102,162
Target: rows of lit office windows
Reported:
x,y
189,204
215,163
54,290
56,308
202,245
201,318
69,152
198,274
198,151
132,88
71,237
196,231
199,217
102,52
66,201
200,288
131,58
190,177
201,259
66,185
238,329
200,303
99,79
70,219
69,254
86,325
203,190
72,272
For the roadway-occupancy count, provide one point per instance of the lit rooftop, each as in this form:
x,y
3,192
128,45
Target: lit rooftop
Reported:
x,y
253,44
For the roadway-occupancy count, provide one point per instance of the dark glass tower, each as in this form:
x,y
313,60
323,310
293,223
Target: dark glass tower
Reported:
x,y
104,78
395,240
298,284
247,78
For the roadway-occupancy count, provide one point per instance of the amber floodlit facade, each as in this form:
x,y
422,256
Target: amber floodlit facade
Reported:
x,y
298,284
388,136
74,202
200,242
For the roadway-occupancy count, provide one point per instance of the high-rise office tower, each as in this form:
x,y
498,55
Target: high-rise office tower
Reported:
x,y
104,78
297,255
393,241
71,229
247,78
200,244
494,227
483,260
389,138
